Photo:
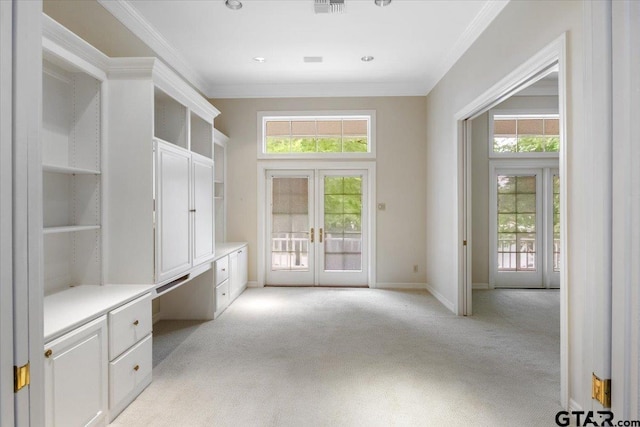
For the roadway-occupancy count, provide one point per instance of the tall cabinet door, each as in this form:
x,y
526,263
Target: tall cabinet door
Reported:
x,y
173,241
203,207
76,377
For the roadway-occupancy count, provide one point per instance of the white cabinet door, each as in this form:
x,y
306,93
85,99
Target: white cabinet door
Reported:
x,y
203,206
173,227
76,377
243,266
238,267
234,276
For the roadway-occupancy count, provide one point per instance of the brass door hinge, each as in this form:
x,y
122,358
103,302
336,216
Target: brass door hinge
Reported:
x,y
601,390
464,243
21,377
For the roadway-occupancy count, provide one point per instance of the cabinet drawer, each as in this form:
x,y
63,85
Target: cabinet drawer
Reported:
x,y
222,296
129,374
129,324
222,270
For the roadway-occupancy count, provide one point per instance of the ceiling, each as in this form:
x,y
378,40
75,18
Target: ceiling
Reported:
x,y
414,43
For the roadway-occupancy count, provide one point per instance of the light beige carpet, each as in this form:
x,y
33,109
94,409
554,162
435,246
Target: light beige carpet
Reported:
x,y
357,357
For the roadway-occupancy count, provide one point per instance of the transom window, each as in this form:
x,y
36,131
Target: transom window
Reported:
x,y
316,135
525,133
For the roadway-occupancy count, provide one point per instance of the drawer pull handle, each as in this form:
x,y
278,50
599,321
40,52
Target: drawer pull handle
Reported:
x,y
48,353
136,323
135,368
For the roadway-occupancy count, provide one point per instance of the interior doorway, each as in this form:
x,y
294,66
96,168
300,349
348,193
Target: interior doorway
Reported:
x,y
536,234
317,223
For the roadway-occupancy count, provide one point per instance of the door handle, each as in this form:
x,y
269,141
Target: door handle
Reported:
x,y
311,234
321,235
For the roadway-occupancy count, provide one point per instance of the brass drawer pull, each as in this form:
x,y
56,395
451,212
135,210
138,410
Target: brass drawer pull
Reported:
x,y
135,368
48,353
136,323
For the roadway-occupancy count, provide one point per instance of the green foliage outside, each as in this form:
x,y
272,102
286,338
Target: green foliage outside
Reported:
x,y
343,204
527,144
285,144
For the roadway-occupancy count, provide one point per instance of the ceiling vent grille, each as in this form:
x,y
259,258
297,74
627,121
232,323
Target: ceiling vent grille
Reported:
x,y
312,58
329,6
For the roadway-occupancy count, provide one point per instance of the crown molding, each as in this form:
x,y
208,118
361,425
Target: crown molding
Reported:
x,y
131,68
483,19
60,43
124,12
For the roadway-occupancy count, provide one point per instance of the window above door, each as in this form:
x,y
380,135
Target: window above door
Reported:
x,y
316,135
523,134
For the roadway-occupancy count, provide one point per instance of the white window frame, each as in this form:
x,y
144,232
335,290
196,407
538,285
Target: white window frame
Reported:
x,y
369,115
528,113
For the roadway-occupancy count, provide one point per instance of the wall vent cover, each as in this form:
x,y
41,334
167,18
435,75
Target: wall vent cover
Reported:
x,y
329,6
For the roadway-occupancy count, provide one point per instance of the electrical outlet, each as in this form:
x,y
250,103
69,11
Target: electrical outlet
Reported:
x,y
415,268
382,206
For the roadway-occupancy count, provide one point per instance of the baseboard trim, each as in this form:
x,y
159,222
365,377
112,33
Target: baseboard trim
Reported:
x,y
481,286
444,301
573,406
157,317
395,285
253,284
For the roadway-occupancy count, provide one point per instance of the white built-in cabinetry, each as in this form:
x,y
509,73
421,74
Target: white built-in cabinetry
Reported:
x,y
80,310
219,154
160,163
131,204
72,135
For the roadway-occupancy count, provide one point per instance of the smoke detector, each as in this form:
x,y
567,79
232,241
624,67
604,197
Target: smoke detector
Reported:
x,y
329,6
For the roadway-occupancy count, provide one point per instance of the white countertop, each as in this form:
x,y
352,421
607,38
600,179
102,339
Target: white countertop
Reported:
x,y
224,249
66,310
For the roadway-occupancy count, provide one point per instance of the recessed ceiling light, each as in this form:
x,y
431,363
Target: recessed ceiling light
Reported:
x,y
259,59
382,3
234,4
366,58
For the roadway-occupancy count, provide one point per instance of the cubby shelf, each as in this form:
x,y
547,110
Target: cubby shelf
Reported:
x,y
69,229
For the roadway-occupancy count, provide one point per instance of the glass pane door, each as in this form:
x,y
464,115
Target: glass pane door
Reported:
x,y
343,221
518,223
291,253
553,228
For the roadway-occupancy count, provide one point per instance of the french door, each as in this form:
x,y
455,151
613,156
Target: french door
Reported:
x,y
317,228
525,227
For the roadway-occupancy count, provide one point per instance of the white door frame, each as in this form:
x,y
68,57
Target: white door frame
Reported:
x,y
264,165
27,208
554,53
6,220
625,375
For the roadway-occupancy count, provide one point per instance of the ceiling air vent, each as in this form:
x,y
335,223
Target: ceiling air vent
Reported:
x,y
312,58
329,6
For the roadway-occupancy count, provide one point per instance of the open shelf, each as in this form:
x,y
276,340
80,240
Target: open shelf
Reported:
x,y
169,119
69,229
201,136
69,170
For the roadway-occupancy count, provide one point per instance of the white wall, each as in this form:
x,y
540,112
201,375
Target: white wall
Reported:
x,y
519,32
480,178
401,179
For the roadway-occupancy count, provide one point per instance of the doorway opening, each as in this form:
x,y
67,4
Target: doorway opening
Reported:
x,y
525,244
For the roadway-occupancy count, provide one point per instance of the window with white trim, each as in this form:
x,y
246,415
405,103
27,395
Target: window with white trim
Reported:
x,y
528,135
316,135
